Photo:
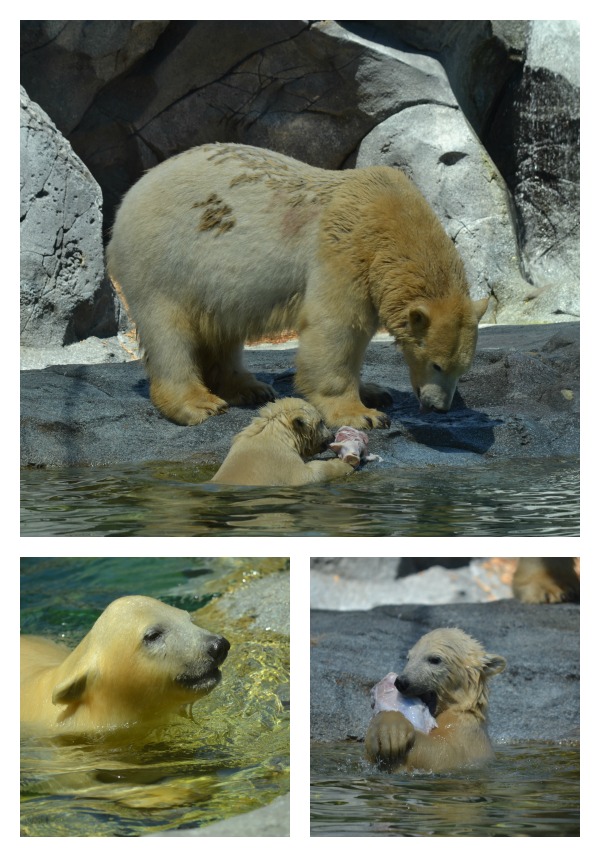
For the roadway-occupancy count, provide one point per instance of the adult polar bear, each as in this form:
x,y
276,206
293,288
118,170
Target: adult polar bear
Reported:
x,y
226,242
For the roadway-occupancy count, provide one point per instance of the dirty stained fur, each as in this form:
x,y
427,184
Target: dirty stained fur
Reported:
x,y
226,243
273,449
140,664
449,671
545,580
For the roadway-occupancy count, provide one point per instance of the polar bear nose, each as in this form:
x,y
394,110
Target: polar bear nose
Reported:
x,y
401,684
218,648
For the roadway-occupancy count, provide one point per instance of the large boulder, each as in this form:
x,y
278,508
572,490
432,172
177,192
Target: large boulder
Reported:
x,y
65,295
80,57
479,57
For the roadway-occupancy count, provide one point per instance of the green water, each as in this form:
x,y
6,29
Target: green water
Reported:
x,y
229,757
519,498
530,789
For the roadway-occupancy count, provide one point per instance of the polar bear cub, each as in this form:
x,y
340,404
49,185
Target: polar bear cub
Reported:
x,y
447,670
140,663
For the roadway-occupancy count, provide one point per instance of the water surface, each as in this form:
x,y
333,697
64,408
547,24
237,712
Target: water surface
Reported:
x,y
497,498
530,789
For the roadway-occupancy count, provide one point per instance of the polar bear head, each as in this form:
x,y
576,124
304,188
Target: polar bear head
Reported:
x,y
141,660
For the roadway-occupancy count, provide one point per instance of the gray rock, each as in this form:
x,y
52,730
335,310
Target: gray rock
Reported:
x,y
271,820
108,349
534,139
554,45
520,400
349,583
265,603
535,698
65,295
479,57
57,54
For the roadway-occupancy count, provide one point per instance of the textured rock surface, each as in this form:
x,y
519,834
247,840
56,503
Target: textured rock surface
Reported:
x,y
65,295
534,139
520,399
535,698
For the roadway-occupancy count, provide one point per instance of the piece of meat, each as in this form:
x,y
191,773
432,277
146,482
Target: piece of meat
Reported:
x,y
350,445
386,697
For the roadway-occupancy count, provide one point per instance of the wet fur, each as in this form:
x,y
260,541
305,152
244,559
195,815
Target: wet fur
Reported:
x,y
273,448
457,691
226,243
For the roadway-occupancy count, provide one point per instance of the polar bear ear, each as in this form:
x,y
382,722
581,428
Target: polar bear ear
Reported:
x,y
480,307
418,320
493,664
70,690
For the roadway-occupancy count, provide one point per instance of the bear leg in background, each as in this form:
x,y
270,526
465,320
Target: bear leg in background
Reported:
x,y
545,580
374,395
226,374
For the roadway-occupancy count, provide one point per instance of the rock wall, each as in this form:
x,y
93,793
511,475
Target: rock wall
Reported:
x,y
484,115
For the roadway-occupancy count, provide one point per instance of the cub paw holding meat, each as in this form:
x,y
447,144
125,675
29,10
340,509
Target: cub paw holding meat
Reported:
x,y
225,243
446,671
273,449
140,664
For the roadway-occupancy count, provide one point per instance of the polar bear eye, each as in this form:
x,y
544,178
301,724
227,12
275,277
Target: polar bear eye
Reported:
x,y
153,634
434,659
437,367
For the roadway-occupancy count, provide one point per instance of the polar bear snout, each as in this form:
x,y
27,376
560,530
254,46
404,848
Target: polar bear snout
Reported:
x,y
202,675
218,647
436,397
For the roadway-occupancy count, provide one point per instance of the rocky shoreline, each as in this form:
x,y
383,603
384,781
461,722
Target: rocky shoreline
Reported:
x,y
519,400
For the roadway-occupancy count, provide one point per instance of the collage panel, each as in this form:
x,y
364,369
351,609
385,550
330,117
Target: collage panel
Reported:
x,y
444,697
246,314
155,697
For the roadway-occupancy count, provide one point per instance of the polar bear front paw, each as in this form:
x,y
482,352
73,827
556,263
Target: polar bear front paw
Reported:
x,y
366,418
185,404
389,738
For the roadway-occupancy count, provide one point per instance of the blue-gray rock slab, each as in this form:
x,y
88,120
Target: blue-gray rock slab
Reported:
x,y
536,697
519,400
